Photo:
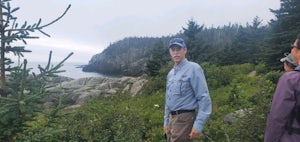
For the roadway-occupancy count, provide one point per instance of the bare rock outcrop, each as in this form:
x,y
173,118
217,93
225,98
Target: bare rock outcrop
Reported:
x,y
77,92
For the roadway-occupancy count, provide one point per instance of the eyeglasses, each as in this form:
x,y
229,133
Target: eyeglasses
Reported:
x,y
292,46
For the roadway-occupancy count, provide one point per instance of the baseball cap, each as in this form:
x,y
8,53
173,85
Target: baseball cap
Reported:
x,y
289,58
177,41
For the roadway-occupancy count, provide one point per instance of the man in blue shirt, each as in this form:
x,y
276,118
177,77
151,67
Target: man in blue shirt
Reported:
x,y
188,103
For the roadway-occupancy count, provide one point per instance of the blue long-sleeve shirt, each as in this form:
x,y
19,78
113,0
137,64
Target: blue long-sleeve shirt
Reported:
x,y
186,90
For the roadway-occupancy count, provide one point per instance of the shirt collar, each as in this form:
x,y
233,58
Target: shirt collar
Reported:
x,y
181,64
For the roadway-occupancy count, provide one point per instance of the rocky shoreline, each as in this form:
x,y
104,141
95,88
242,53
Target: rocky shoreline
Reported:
x,y
76,92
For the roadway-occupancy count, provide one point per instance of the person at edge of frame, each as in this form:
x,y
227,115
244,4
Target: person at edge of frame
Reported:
x,y
288,62
282,124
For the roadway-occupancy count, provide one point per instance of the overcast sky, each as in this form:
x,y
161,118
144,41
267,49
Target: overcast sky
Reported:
x,y
91,25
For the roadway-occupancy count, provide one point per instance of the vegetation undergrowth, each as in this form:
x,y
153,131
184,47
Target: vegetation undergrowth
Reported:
x,y
122,117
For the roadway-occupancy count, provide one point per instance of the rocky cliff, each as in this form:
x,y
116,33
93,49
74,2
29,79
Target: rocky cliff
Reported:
x,y
126,57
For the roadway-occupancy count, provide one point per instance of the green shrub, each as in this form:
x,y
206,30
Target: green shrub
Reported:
x,y
119,118
273,76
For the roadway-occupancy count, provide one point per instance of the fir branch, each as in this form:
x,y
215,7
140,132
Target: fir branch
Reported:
x,y
56,18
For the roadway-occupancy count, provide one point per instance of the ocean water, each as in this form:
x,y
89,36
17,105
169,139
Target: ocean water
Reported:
x,y
72,70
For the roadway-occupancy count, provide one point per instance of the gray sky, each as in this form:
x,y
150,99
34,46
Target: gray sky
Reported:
x,y
91,25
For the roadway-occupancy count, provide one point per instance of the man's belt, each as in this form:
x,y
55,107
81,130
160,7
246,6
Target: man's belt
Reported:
x,y
181,111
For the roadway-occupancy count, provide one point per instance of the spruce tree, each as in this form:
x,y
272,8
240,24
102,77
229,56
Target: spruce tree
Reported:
x,y
20,91
159,56
249,43
285,29
194,41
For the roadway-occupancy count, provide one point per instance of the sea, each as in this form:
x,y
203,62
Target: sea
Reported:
x,y
72,70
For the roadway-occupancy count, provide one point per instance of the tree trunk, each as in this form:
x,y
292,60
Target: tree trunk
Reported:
x,y
2,57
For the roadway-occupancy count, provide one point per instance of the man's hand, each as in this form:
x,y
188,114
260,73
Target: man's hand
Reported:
x,y
166,129
194,134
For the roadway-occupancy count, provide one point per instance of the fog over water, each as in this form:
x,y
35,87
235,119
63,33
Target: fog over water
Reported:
x,y
72,70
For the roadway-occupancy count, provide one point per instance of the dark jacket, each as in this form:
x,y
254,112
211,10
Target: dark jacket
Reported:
x,y
283,102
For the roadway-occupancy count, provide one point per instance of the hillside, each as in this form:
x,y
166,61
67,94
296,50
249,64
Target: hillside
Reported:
x,y
126,57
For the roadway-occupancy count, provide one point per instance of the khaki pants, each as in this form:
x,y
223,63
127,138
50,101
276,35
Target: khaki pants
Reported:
x,y
180,126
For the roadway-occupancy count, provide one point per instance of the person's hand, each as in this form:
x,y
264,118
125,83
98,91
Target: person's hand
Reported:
x,y
194,134
166,129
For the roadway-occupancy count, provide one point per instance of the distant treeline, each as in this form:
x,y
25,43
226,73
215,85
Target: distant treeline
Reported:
x,y
229,44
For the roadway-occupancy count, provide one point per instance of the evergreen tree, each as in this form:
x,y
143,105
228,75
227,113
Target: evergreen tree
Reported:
x,y
159,56
221,44
194,40
20,92
285,29
250,43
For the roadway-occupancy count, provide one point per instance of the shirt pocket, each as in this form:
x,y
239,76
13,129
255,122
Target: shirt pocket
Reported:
x,y
185,86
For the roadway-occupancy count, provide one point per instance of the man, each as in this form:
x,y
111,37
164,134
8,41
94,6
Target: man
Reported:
x,y
281,123
188,103
288,62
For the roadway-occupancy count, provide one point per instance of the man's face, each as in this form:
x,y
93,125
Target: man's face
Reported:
x,y
177,53
296,52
